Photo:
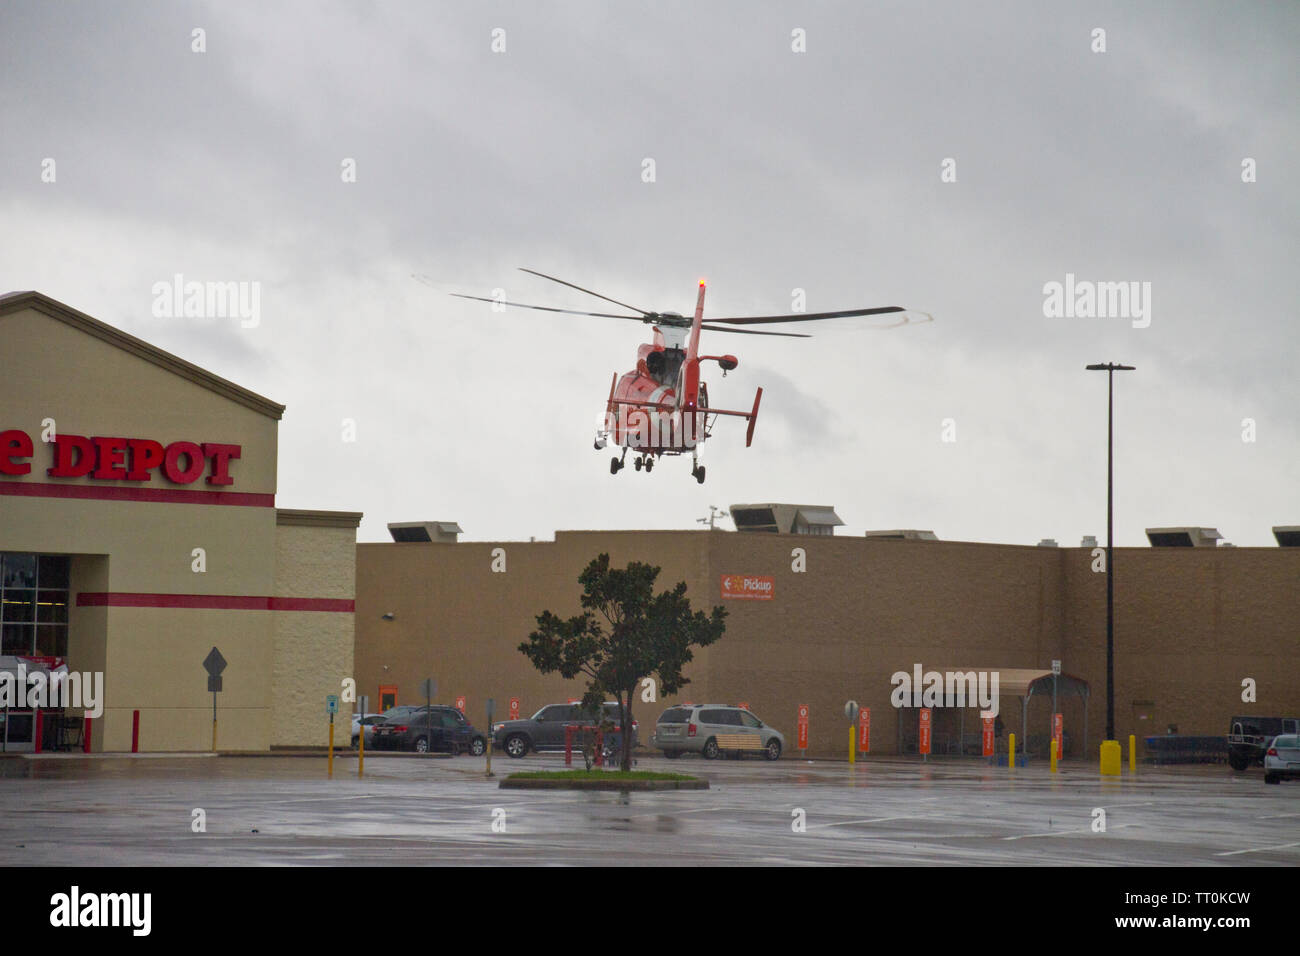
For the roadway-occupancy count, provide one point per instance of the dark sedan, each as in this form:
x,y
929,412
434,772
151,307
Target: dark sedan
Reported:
x,y
424,729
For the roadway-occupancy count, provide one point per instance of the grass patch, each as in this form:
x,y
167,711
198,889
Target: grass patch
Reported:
x,y
611,775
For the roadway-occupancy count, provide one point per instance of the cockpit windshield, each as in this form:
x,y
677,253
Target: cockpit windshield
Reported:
x,y
664,365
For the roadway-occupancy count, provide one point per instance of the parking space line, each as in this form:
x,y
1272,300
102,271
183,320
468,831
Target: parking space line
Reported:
x,y
1260,849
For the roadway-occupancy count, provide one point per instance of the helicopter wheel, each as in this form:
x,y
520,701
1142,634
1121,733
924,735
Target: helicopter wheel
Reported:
x,y
649,464
698,473
614,466
637,463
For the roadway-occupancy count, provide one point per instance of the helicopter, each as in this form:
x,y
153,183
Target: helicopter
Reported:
x,y
661,407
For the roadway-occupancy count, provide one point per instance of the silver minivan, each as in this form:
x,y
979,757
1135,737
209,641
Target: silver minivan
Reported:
x,y
696,728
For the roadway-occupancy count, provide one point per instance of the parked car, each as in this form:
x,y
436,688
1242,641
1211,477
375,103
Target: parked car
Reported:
x,y
1248,738
1282,758
368,721
696,729
544,731
423,729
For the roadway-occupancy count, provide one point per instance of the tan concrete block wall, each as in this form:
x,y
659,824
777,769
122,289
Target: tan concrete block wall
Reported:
x,y
313,650
1189,624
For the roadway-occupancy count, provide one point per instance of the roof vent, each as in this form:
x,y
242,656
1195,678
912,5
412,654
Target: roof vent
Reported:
x,y
1183,537
1089,541
904,535
1048,543
443,532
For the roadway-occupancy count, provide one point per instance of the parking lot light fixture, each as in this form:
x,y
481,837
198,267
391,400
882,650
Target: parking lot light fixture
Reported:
x,y
1110,368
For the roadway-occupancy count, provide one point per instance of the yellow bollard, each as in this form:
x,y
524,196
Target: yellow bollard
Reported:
x,y
853,745
1053,755
1110,758
1011,750
1132,754
331,760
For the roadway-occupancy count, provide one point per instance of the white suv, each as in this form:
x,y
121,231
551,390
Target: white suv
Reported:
x,y
714,730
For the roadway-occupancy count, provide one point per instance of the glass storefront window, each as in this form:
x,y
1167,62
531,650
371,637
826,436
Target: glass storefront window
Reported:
x,y
34,604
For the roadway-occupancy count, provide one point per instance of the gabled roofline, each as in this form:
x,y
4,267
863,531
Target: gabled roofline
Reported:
x,y
39,302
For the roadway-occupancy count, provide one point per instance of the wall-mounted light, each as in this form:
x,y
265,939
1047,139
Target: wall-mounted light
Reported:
x,y
388,617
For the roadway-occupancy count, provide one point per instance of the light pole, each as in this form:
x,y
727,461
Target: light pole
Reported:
x,y
1110,368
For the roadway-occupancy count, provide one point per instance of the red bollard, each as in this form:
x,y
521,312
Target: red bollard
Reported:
x,y
37,730
85,737
600,749
568,745
135,732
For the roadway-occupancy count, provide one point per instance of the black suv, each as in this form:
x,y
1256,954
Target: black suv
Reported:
x,y
424,729
545,729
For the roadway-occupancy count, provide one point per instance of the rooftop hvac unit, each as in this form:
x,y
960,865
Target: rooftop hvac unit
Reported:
x,y
1183,537
444,532
905,534
786,519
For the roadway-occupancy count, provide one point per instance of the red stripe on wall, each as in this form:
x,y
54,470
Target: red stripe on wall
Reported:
x,y
178,496
217,602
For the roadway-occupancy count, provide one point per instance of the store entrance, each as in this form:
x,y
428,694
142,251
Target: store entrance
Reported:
x,y
33,638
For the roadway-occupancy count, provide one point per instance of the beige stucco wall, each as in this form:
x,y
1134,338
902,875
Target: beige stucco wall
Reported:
x,y
95,383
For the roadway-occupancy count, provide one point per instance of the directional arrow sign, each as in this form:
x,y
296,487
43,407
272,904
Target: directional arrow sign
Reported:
x,y
214,663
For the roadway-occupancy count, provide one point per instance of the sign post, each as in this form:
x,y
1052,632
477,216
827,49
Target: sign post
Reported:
x,y
514,708
1056,672
924,735
1058,734
864,730
428,687
214,664
364,703
803,730
331,708
490,706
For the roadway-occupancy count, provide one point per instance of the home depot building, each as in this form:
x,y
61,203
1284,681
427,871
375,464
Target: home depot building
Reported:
x,y
139,529
1191,624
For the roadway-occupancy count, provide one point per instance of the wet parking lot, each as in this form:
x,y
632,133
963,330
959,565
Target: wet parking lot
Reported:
x,y
110,810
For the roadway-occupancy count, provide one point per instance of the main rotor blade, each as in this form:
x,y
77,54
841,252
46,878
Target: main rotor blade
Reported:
x,y
723,328
581,289
807,316
547,308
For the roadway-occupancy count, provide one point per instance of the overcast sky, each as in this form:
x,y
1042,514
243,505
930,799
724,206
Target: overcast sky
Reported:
x,y
774,170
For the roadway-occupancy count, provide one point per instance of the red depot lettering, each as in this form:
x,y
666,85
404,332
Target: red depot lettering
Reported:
x,y
172,457
14,444
221,456
111,465
64,466
146,455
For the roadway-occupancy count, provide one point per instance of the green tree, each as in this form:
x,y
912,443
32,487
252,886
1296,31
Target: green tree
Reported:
x,y
625,633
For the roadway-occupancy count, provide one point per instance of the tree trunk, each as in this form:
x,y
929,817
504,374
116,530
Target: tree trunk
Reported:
x,y
627,730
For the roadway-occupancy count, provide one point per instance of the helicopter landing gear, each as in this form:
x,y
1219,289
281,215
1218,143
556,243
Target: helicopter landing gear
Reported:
x,y
697,471
616,464
638,463
649,463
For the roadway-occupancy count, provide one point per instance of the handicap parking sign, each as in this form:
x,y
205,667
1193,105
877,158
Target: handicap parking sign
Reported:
x,y
332,704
